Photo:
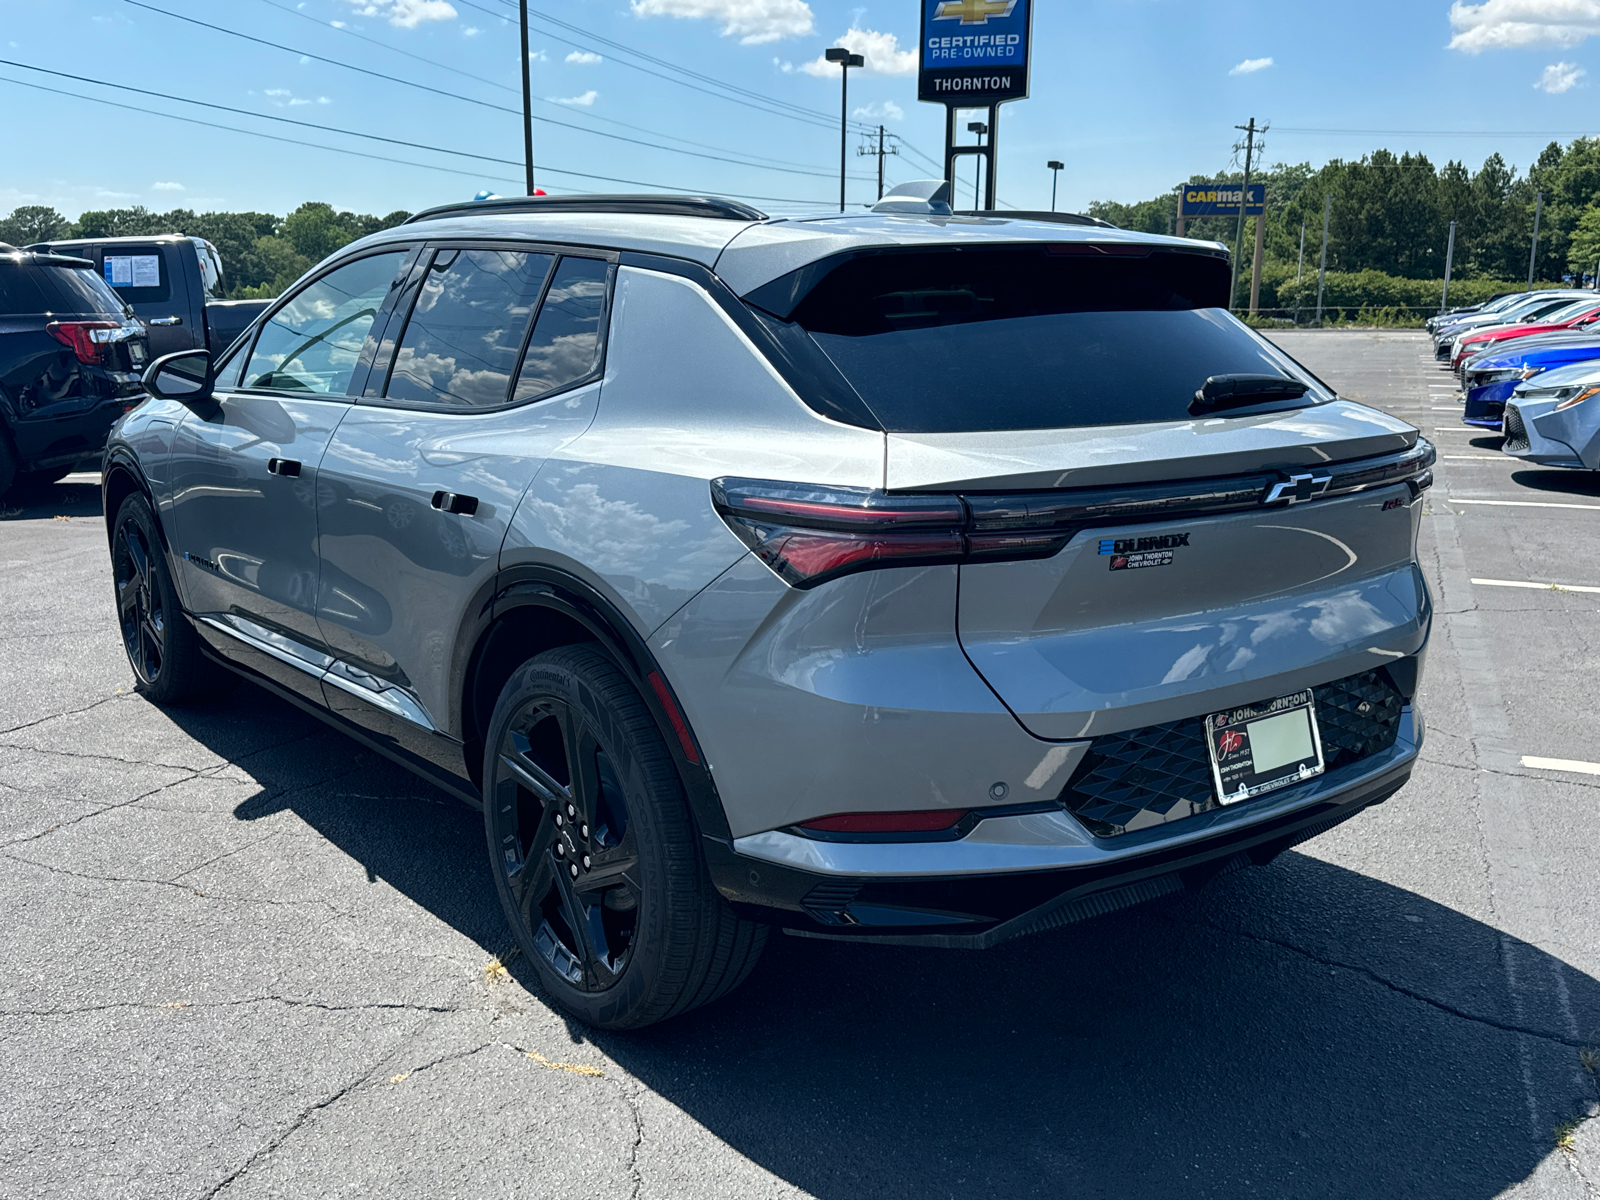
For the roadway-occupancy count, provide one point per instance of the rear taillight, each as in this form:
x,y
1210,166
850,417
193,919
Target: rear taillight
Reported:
x,y
89,339
809,534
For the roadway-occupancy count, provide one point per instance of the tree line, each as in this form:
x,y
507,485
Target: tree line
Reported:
x,y
1391,215
261,253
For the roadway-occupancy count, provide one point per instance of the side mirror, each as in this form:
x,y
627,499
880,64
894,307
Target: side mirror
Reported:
x,y
185,376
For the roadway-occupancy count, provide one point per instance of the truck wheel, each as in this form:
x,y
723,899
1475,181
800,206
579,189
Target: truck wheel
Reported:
x,y
163,648
595,855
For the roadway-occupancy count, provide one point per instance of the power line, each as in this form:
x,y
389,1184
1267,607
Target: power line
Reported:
x,y
1508,133
755,159
385,158
470,100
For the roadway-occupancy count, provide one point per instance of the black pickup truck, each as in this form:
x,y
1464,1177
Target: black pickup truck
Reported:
x,y
172,283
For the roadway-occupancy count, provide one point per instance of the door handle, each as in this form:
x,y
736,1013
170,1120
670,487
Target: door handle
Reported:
x,y
283,466
451,502
165,321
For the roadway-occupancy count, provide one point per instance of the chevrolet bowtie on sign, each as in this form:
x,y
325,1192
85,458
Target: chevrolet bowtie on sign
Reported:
x,y
974,52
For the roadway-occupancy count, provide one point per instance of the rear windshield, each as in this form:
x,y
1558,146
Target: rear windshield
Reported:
x,y
30,287
83,291
1034,337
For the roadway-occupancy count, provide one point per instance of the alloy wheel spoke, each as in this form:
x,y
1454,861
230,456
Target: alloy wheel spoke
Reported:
x,y
578,921
535,778
614,866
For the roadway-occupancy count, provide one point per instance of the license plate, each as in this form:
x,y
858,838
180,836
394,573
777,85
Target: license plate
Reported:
x,y
136,353
1262,747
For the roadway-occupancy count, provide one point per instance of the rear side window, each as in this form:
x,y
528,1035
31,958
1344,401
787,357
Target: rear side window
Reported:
x,y
21,290
312,343
1029,337
80,290
461,344
138,274
565,345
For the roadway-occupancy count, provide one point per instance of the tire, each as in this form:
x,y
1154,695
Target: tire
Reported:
x,y
599,870
162,647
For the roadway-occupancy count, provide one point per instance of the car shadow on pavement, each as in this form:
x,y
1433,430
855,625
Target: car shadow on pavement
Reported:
x,y
1493,442
1571,482
64,499
1292,1030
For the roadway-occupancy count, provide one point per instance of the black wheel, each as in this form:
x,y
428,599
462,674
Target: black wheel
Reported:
x,y
594,853
163,648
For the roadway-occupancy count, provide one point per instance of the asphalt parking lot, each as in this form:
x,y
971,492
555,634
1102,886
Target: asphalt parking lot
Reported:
x,y
243,957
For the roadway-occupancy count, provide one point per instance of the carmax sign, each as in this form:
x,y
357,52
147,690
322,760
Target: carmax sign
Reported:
x,y
1221,200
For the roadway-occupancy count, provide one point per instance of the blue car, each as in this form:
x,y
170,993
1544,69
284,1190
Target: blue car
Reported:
x,y
1489,379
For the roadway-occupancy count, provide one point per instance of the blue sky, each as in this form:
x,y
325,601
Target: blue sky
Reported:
x,y
1133,95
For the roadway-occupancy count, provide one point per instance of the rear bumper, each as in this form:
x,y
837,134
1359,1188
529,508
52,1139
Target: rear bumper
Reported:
x,y
1019,874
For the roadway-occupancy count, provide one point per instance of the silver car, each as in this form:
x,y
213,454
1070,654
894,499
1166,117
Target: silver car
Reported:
x,y
1554,421
894,576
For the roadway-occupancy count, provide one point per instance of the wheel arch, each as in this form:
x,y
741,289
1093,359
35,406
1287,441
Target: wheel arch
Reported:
x,y
538,608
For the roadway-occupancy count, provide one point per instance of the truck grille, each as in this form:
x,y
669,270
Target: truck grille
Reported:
x,y
1512,426
1161,773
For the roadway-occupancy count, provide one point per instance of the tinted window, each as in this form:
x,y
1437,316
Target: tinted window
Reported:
x,y
139,274
82,291
313,342
461,344
1031,337
565,345
20,290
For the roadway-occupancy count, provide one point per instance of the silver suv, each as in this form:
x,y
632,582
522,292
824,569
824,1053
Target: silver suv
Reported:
x,y
896,576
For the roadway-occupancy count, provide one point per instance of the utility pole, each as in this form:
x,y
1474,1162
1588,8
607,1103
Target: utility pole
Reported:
x,y
882,149
846,60
1178,220
1449,261
1244,198
1300,271
1054,167
1322,271
1260,258
527,98
1533,254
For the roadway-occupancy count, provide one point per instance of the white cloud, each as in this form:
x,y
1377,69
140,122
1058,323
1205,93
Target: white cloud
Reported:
x,y
1560,77
538,56
881,50
1507,24
583,101
583,58
1250,66
407,14
471,31
278,92
166,187
751,21
887,111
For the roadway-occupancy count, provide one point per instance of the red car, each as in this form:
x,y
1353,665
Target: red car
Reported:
x,y
1575,316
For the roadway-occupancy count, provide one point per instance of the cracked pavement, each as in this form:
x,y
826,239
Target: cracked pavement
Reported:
x,y
245,958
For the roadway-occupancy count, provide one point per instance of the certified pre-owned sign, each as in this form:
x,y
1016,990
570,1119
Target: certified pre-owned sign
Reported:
x,y
974,52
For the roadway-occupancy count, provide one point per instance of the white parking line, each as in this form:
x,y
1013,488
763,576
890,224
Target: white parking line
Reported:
x,y
1445,407
1524,503
1561,764
1477,458
1543,587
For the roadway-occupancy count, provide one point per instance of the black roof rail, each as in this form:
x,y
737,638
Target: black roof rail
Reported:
x,y
664,206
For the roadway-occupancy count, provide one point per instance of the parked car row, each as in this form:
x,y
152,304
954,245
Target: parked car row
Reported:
x,y
1530,366
78,321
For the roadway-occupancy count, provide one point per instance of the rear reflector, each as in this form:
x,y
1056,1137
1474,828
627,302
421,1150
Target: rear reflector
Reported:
x,y
680,727
889,822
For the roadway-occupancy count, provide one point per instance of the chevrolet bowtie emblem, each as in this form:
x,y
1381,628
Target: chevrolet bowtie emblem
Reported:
x,y
1297,488
974,12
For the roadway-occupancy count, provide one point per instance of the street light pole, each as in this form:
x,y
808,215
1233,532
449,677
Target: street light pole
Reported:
x,y
527,98
846,60
1054,167
1533,252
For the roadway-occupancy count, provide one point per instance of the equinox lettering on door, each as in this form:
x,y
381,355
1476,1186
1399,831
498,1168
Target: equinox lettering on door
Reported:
x,y
1128,554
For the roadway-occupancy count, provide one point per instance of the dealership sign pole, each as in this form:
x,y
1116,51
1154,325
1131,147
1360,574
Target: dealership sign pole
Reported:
x,y
975,54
